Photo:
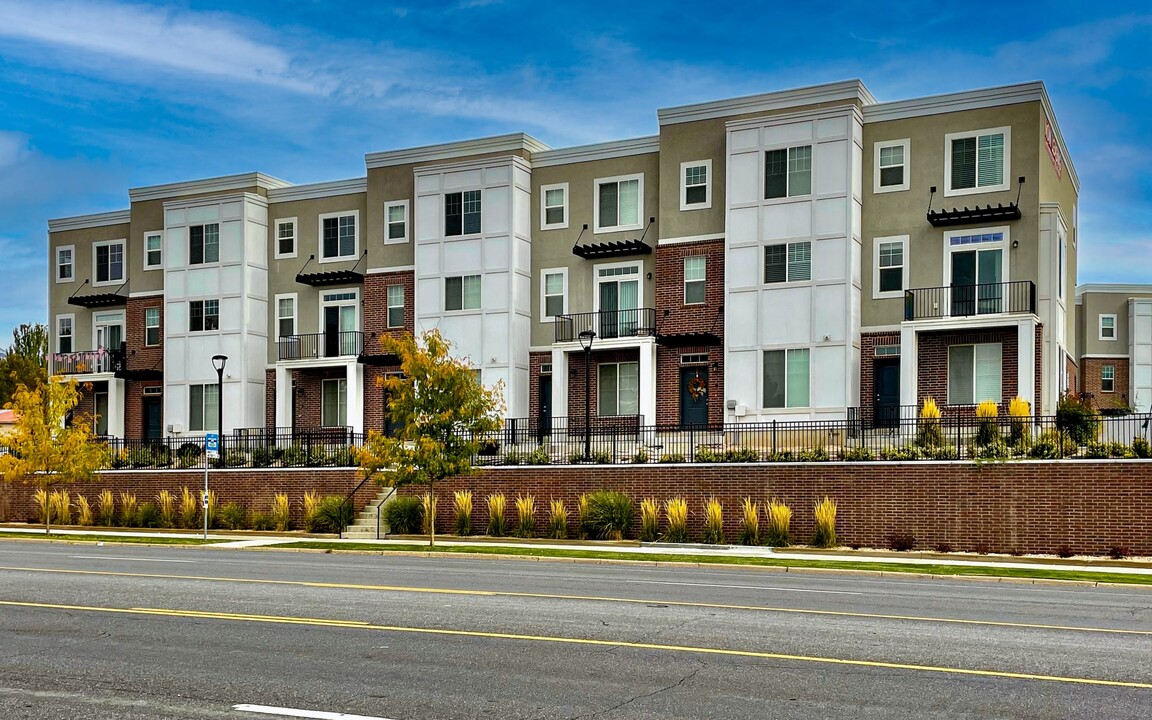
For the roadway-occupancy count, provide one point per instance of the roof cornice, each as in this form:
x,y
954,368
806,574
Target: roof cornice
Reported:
x,y
599,151
767,102
473,164
81,222
208,185
447,151
315,191
1113,289
785,118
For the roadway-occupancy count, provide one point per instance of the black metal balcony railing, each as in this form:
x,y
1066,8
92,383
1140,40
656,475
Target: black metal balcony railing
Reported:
x,y
101,360
320,345
635,322
1018,296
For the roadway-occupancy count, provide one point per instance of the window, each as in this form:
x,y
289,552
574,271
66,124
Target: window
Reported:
x,y
65,265
788,172
395,306
554,292
153,251
334,403
100,410
977,161
396,222
790,262
203,315
109,262
462,213
786,380
1107,327
204,244
618,203
64,333
695,188
694,359
976,263
286,238
554,206
695,268
890,275
618,388
152,326
285,315
338,236
974,373
892,166
462,292
203,407
1108,378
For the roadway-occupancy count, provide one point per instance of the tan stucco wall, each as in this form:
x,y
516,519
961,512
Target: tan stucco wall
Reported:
x,y
1094,304
1061,190
686,142
58,293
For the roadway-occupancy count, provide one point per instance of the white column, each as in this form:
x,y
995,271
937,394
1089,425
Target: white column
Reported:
x,y
116,407
908,371
1026,363
559,389
648,382
283,397
355,406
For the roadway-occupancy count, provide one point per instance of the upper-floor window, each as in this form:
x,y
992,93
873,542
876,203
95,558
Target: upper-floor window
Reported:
x,y
618,203
153,251
1107,327
65,263
109,262
395,306
788,172
554,206
462,213
64,333
462,292
554,293
338,236
286,238
204,244
892,163
890,274
696,185
285,315
786,378
788,262
977,161
152,326
1108,378
695,268
396,222
203,315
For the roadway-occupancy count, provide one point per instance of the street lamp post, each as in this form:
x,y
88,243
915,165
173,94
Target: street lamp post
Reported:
x,y
586,339
218,362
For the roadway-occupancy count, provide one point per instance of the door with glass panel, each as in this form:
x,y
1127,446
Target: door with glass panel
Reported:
x,y
339,330
619,290
977,282
109,335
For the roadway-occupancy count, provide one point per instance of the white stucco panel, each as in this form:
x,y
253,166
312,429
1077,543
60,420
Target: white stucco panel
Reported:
x,y
175,358
495,292
523,258
827,388
231,242
174,284
203,283
743,177
497,175
497,210
495,339
786,316
828,261
427,184
743,267
461,257
428,292
428,217
175,217
462,179
203,214
784,134
428,260
465,332
831,217
832,127
832,168
786,220
496,253
740,319
743,226
828,320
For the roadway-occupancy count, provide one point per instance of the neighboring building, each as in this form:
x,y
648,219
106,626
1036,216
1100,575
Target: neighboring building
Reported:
x,y
1114,328
8,420
804,254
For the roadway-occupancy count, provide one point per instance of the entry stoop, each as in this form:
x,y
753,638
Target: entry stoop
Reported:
x,y
364,526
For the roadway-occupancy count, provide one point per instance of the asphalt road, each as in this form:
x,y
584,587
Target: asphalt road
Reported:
x,y
92,631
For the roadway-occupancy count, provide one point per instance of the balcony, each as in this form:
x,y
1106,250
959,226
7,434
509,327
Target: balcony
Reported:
x,y
348,343
635,322
101,360
960,301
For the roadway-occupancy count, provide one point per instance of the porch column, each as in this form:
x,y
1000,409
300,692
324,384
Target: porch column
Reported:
x,y
908,372
116,399
1026,363
559,390
355,402
647,389
283,397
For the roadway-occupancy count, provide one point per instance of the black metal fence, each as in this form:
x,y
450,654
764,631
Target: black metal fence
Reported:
x,y
248,448
1018,296
607,324
320,345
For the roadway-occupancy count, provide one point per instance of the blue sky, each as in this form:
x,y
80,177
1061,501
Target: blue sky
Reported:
x,y
97,96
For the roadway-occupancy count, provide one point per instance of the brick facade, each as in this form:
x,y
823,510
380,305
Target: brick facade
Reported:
x,y
376,308
1091,368
535,360
868,344
576,382
932,361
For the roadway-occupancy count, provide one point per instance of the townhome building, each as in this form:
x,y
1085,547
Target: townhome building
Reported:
x,y
804,254
1114,332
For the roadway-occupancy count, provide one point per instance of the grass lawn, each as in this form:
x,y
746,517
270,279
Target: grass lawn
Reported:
x,y
151,540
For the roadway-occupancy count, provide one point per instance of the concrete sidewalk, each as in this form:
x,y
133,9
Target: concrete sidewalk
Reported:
x,y
227,540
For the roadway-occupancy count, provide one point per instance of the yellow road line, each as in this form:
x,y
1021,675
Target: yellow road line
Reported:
x,y
594,598
324,622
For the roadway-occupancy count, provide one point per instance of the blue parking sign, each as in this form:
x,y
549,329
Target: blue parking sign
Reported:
x,y
212,445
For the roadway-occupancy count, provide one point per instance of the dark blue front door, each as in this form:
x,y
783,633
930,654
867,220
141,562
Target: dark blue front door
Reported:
x,y
694,393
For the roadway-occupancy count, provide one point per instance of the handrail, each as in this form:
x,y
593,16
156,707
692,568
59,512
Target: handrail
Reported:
x,y
960,300
345,502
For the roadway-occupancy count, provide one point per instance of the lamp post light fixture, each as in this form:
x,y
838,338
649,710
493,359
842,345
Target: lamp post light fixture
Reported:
x,y
218,362
586,339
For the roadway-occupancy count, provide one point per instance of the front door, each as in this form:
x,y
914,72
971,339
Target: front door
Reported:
x,y
619,300
339,323
693,396
887,378
153,419
544,423
977,277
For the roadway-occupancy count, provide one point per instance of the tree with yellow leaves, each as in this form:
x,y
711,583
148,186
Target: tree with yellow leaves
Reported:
x,y
43,450
441,413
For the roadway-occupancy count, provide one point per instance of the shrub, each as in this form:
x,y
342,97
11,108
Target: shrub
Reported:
x,y
582,517
211,511
557,520
1141,448
293,456
986,430
749,523
860,454
61,502
1078,419
404,514
1065,551
609,514
263,522
672,458
1118,552
311,505
640,456
741,455
106,508
263,457
332,515
525,516
779,518
713,522
943,452
189,508
901,542
143,456
166,505
539,456
997,449
676,512
129,510
708,455
233,516
1096,450
601,457
981,548
281,515
943,547
812,455
188,455
1120,450
928,431
825,514
511,458
83,511
898,452
428,501
462,508
1047,446
497,524
649,520
1019,411
148,516
575,458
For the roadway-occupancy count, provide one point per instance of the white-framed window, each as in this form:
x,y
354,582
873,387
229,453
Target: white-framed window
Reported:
x,y
203,315
100,410
1062,249
889,266
204,244
108,330
553,293
974,373
462,292
395,306
618,389
285,315
554,206
1107,327
334,403
65,263
618,203
977,161
203,407
153,250
788,172
546,368
285,238
695,272
396,222
64,333
340,318
152,326
1107,378
696,185
788,262
976,270
892,161
787,378
463,213
694,359
339,237
619,294
108,262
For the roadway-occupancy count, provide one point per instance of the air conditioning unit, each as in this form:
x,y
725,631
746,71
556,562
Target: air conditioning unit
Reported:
x,y
176,428
153,390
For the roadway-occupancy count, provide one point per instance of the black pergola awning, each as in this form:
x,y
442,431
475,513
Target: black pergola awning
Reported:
x,y
689,339
98,300
151,374
332,277
617,248
947,218
379,359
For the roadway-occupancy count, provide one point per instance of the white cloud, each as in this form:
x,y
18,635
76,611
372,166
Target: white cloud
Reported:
x,y
13,148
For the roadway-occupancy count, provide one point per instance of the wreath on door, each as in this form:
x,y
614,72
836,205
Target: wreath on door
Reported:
x,y
697,388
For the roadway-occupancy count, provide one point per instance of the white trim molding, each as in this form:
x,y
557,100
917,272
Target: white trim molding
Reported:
x,y
71,264
685,239
877,294
1100,327
1006,178
148,234
123,243
621,227
276,238
906,144
843,91
388,240
355,214
83,222
544,207
708,181
544,273
317,191
224,183
598,151
392,269
513,142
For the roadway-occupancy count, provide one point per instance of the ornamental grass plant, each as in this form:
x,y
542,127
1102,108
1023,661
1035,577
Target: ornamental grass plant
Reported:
x,y
557,520
281,514
609,514
749,522
428,504
825,516
928,432
779,518
106,508
166,507
462,510
1019,412
676,513
713,522
649,520
525,516
497,524
189,508
986,430
83,511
